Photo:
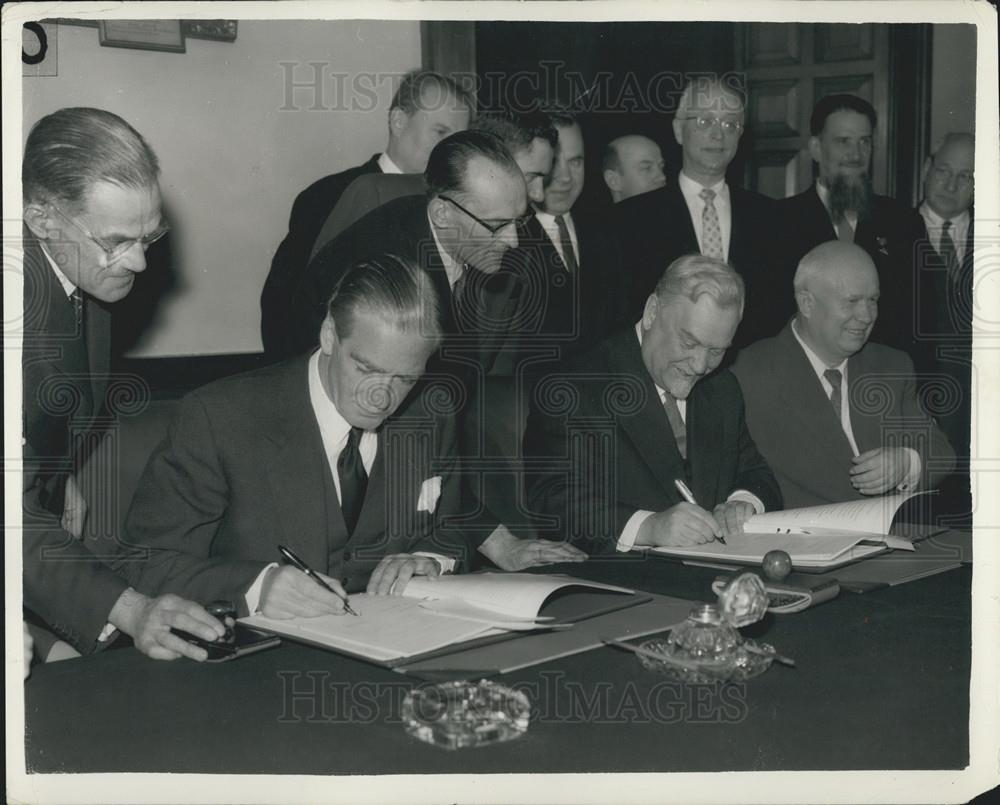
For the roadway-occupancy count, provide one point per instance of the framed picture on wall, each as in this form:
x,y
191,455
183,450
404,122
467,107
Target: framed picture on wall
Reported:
x,y
143,34
217,30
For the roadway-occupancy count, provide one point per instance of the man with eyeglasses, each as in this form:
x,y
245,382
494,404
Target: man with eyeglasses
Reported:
x,y
458,233
944,353
91,208
698,211
842,205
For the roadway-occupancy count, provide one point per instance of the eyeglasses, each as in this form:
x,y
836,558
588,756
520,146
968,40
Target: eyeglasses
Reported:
x,y
494,228
118,250
706,122
945,175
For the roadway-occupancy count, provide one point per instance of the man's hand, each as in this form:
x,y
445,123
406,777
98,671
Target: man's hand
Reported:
x,y
731,516
395,571
148,622
679,526
74,515
287,592
511,553
880,470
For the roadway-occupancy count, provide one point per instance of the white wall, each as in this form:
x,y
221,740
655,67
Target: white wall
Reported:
x,y
953,80
232,159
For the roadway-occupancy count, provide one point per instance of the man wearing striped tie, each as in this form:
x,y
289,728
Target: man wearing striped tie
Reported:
x,y
699,211
836,415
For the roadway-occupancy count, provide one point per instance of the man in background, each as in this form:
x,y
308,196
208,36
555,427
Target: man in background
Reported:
x,y
459,233
621,424
632,165
842,205
836,415
699,211
943,351
426,108
91,209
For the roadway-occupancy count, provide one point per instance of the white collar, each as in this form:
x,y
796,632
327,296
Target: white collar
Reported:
x,y
331,424
690,187
386,164
818,364
937,222
67,284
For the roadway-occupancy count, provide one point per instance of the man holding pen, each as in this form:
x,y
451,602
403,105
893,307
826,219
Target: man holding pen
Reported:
x,y
621,425
345,458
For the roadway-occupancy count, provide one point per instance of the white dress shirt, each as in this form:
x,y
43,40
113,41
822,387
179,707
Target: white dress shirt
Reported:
x,y
387,165
631,529
334,431
912,477
548,222
452,268
67,284
691,191
935,229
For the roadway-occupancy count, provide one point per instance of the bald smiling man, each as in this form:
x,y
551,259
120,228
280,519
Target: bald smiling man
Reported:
x,y
835,415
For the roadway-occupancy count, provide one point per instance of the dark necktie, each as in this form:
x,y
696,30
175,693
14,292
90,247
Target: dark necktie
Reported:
x,y
949,255
566,242
834,378
676,423
353,479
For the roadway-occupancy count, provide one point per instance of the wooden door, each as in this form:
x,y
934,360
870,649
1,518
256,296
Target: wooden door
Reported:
x,y
788,68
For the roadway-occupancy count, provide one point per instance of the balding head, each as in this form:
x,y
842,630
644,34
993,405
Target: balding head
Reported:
x,y
633,164
836,290
949,177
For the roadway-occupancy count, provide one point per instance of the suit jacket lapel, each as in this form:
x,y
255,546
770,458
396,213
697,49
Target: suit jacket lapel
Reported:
x,y
819,218
97,326
675,208
648,430
297,468
807,402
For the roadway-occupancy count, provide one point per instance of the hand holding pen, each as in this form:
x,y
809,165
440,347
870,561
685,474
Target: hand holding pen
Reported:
x,y
688,496
296,590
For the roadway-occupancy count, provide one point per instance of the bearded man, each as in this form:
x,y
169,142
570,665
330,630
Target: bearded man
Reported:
x,y
841,205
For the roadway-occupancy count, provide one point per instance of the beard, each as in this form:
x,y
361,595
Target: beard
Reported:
x,y
850,193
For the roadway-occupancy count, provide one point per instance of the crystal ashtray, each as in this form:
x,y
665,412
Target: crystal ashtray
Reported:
x,y
461,714
743,661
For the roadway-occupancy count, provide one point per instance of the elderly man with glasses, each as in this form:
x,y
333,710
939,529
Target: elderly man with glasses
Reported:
x,y
459,233
91,209
698,211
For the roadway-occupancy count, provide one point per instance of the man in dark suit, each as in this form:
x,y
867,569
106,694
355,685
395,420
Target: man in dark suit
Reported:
x,y
612,433
842,205
698,211
91,208
567,281
943,353
458,233
835,415
426,108
341,455
632,165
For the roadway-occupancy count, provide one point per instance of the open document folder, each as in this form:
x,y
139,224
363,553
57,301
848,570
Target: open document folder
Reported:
x,y
432,615
815,537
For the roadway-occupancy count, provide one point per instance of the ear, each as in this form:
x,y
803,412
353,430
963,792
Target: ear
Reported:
x,y
814,149
397,121
38,220
925,172
612,180
678,126
327,336
806,302
440,212
650,311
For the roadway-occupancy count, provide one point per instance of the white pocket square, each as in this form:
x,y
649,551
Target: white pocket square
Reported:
x,y
430,491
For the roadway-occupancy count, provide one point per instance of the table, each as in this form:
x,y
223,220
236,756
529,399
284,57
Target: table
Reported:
x,y
881,683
